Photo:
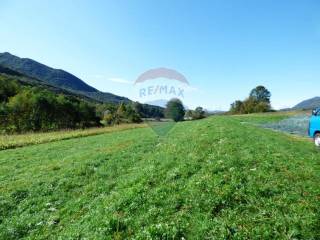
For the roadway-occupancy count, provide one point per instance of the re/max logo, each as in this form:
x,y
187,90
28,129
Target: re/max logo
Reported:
x,y
161,90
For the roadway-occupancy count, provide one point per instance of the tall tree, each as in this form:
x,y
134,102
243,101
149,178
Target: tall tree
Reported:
x,y
261,94
175,110
236,107
199,113
8,88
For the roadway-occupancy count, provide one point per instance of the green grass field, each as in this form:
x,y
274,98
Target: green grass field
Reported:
x,y
215,178
21,140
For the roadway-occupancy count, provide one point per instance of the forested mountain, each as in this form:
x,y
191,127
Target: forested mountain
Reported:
x,y
24,80
56,77
29,104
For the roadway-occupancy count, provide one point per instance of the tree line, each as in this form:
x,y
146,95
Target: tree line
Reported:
x,y
257,102
177,112
26,108
135,112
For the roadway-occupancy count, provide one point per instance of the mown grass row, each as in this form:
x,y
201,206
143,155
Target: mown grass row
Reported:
x,y
209,179
14,141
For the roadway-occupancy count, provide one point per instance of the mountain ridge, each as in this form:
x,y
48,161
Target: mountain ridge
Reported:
x,y
308,104
28,81
56,77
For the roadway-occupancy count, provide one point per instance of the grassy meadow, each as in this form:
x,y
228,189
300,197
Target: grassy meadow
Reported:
x,y
216,178
21,140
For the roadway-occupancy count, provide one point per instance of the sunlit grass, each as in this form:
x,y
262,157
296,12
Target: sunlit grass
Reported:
x,y
13,141
211,179
161,128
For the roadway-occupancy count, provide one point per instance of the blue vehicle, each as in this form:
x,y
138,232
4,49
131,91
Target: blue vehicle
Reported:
x,y
314,126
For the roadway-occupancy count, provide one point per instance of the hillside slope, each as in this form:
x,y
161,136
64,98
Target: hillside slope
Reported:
x,y
47,74
308,104
251,183
28,81
147,111
56,77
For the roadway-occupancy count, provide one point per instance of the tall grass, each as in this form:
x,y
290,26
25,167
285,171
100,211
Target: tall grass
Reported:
x,y
14,141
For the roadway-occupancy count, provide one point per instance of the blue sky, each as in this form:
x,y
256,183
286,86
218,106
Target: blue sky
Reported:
x,y
223,47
